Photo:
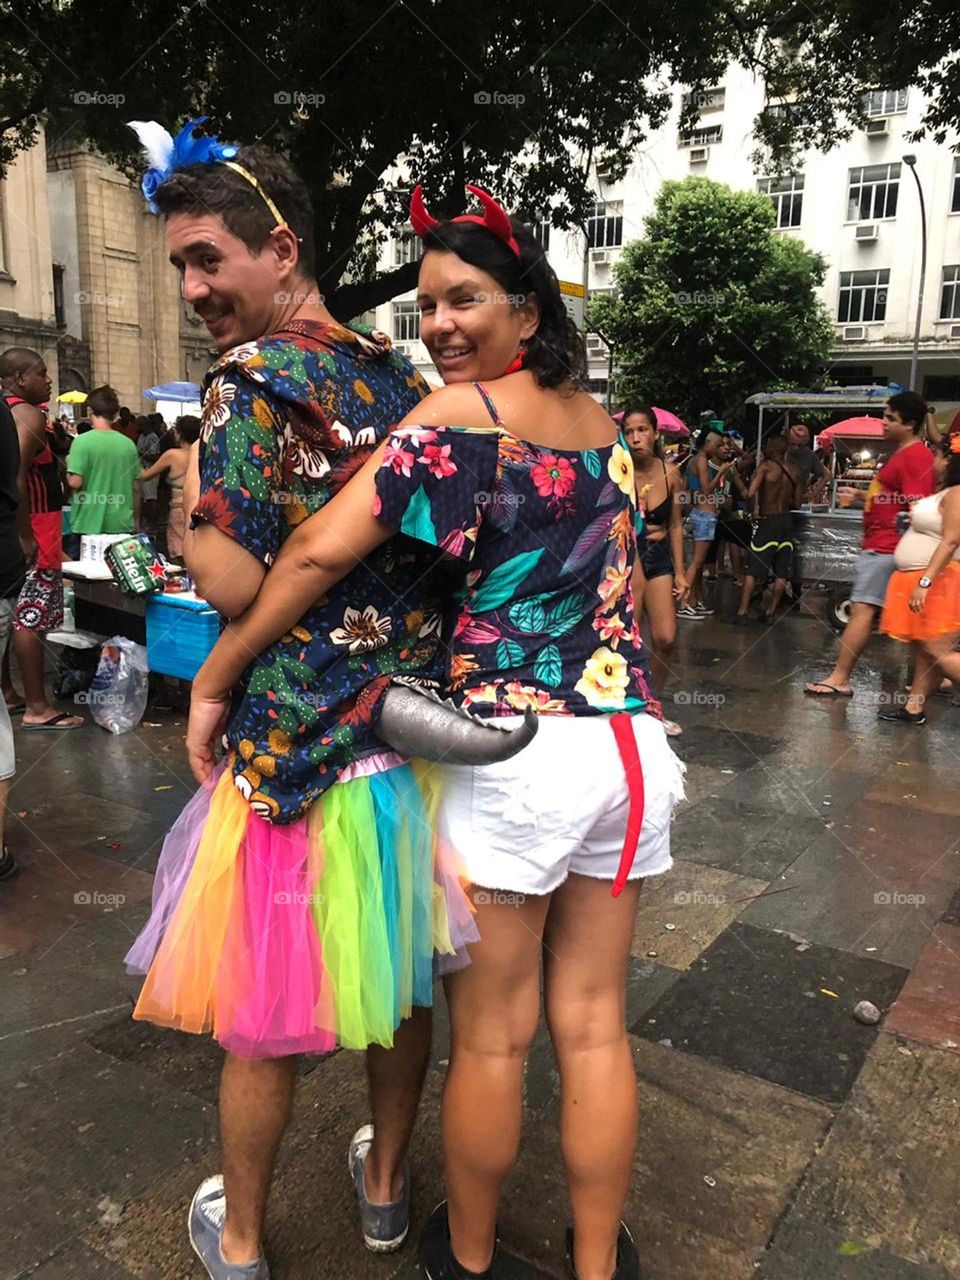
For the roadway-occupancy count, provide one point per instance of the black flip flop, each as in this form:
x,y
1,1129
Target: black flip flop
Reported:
x,y
834,692
8,865
17,709
54,723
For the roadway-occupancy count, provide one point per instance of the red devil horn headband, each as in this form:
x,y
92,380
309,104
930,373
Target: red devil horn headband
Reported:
x,y
494,217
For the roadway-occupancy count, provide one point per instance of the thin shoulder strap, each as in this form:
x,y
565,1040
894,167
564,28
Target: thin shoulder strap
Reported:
x,y
488,402
666,479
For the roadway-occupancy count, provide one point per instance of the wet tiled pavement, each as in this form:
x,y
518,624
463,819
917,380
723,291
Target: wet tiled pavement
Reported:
x,y
818,864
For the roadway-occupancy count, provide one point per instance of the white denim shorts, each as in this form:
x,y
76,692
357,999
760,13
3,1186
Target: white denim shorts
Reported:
x,y
560,806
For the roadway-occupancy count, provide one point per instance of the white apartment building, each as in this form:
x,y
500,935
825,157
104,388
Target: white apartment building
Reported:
x,y
858,206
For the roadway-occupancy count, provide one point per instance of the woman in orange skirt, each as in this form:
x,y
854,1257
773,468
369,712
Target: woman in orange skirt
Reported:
x,y
923,598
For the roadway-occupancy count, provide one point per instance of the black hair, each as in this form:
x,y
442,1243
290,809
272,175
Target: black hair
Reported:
x,y
188,428
103,402
555,353
126,417
651,417
774,444
911,407
83,426
156,423
213,188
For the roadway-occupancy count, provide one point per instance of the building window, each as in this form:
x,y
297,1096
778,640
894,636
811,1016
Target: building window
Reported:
x,y
950,294
59,310
701,137
598,386
863,296
704,99
605,225
795,112
406,322
955,199
941,386
787,196
405,249
873,192
885,102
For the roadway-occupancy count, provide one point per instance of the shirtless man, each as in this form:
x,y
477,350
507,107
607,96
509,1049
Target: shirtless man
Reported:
x,y
778,485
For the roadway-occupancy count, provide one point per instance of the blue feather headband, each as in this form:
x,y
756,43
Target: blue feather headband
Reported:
x,y
166,155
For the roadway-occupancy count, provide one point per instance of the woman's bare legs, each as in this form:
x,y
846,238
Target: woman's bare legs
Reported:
x,y
494,1009
586,952
661,611
695,573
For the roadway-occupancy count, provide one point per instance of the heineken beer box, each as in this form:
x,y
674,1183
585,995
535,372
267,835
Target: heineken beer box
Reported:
x,y
137,565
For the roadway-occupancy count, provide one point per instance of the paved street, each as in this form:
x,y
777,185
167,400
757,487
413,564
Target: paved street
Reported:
x,y
818,864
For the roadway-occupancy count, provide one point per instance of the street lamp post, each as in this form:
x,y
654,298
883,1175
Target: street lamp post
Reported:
x,y
911,163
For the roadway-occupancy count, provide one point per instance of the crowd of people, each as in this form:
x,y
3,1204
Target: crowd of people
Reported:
x,y
721,494
445,746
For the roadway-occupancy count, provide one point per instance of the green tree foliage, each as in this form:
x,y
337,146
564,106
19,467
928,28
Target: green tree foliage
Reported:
x,y
712,304
518,99
524,99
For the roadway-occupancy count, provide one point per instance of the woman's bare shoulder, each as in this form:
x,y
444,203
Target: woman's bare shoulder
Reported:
x,y
457,405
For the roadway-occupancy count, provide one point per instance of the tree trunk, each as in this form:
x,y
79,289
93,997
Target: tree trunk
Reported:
x,y
352,300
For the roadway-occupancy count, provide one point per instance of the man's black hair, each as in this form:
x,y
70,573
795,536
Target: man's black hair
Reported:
x,y
213,188
911,407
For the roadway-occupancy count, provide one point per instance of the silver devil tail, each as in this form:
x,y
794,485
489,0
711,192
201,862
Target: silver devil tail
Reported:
x,y
421,725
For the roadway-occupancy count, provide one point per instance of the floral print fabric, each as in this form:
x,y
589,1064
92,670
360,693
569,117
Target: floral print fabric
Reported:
x,y
287,421
546,542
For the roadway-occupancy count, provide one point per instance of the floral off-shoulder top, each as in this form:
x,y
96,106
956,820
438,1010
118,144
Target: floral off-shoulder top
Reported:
x,y
547,544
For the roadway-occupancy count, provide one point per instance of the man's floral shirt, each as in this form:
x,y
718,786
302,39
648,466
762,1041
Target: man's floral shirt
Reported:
x,y
287,420
546,543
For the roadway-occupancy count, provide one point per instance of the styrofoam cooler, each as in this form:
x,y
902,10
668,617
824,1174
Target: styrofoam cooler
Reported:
x,y
181,631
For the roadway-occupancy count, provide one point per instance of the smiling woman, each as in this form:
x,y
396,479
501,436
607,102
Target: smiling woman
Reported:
x,y
517,485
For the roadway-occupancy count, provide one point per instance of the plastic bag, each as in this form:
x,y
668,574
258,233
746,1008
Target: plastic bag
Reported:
x,y
75,671
117,696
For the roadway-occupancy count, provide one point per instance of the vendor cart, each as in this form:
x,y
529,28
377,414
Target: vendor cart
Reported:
x,y
828,538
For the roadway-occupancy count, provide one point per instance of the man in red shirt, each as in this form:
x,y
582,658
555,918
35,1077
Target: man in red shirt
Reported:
x,y
906,476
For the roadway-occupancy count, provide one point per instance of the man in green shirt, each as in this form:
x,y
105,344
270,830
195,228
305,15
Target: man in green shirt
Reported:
x,y
102,470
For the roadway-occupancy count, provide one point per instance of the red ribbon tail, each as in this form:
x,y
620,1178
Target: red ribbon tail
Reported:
x,y
622,725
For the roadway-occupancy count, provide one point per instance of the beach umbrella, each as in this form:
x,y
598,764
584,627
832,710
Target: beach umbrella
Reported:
x,y
865,428
184,391
72,397
670,423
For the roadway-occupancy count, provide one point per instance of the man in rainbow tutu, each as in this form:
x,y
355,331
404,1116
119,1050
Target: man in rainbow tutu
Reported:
x,y
301,899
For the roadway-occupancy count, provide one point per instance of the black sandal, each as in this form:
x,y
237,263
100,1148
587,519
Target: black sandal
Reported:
x,y
8,865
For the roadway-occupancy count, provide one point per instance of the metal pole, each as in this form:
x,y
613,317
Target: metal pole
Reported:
x,y
911,162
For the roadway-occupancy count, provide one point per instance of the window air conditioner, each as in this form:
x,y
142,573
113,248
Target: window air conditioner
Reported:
x,y
854,332
955,331
878,128
699,155
595,345
403,348
600,257
866,232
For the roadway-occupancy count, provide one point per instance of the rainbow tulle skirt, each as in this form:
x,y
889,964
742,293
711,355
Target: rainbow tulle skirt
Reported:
x,y
294,939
